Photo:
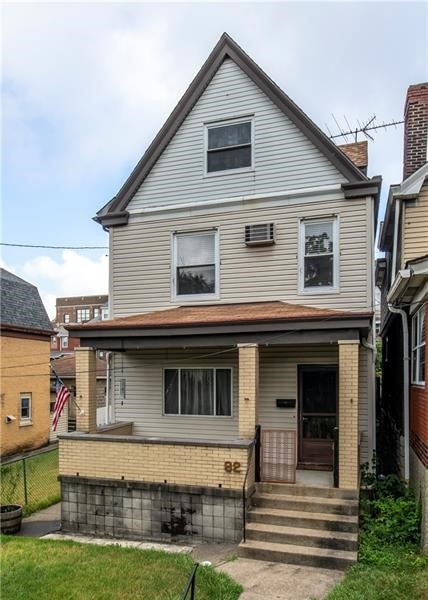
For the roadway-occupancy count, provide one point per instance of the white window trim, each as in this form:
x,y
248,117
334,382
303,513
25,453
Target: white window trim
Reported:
x,y
195,298
325,289
223,123
25,420
165,414
416,347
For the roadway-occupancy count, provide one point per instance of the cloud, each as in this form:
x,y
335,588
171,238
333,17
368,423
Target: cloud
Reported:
x,y
74,274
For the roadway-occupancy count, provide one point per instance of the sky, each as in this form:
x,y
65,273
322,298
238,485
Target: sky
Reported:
x,y
86,87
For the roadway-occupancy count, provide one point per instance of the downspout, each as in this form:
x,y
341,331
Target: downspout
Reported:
x,y
395,242
406,359
107,388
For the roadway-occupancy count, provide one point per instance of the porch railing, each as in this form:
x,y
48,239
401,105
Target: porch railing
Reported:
x,y
254,449
190,585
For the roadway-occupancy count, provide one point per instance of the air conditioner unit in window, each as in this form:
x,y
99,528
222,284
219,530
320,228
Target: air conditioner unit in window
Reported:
x,y
259,235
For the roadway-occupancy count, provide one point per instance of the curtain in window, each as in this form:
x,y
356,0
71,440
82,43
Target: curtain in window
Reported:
x,y
223,392
197,392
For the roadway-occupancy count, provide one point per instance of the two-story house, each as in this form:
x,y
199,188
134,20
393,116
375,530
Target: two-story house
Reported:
x,y
403,278
241,295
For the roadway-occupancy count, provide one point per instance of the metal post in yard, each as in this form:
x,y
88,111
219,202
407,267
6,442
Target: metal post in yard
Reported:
x,y
24,472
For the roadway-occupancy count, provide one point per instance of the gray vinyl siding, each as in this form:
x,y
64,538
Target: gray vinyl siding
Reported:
x,y
278,379
143,404
141,255
284,158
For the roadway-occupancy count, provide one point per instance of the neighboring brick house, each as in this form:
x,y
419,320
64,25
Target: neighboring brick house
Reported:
x,y
65,368
403,278
241,295
75,309
24,381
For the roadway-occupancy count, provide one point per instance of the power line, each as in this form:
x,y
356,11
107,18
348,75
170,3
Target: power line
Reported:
x,y
233,348
55,247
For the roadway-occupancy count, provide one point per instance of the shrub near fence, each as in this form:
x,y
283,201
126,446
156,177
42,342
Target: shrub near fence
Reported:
x,y
31,481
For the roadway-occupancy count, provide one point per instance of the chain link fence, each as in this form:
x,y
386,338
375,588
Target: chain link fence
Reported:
x,y
31,481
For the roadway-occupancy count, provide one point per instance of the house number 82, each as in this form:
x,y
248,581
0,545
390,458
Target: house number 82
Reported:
x,y
232,467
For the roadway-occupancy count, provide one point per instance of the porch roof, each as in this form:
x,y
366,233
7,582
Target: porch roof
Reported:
x,y
222,324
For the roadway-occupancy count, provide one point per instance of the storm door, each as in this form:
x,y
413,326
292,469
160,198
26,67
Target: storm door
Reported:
x,y
317,415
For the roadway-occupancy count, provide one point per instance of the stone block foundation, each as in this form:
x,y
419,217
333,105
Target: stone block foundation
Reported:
x,y
150,511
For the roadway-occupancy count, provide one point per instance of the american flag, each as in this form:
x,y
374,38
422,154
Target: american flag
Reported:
x,y
62,396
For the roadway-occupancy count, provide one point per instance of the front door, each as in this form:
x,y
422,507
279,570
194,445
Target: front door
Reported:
x,y
317,415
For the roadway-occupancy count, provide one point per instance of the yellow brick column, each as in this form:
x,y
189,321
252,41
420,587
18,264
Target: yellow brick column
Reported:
x,y
86,389
248,388
348,414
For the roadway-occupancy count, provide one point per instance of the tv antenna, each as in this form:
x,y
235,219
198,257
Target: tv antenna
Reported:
x,y
360,128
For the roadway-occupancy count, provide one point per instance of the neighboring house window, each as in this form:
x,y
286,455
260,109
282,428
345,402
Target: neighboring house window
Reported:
x,y
83,314
64,342
66,318
229,146
198,392
54,342
195,265
25,407
104,313
318,255
418,347
96,313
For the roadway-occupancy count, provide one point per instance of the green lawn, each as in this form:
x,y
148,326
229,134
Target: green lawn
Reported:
x,y
42,482
399,573
35,569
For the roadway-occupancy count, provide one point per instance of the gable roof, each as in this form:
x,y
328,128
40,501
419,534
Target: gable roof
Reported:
x,y
114,212
21,306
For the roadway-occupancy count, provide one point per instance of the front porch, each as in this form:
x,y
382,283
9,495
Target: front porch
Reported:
x,y
180,456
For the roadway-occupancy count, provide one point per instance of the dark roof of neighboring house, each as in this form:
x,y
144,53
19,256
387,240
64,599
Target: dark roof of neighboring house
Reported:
x,y
65,366
21,306
221,314
115,213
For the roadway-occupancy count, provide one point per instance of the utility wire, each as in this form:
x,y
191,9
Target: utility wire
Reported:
x,y
55,247
175,361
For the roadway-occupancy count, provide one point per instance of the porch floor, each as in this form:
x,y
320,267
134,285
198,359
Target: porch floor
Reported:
x,y
314,478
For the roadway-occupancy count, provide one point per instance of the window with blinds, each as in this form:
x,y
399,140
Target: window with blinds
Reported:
x,y
318,264
195,264
229,146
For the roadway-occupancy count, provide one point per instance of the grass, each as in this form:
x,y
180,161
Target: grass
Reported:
x,y
34,569
396,573
42,482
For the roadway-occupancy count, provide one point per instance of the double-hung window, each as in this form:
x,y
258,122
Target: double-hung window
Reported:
x,y
83,314
25,408
318,255
229,146
418,347
195,265
198,391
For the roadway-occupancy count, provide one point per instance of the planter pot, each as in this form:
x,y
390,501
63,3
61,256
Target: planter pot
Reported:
x,y
10,518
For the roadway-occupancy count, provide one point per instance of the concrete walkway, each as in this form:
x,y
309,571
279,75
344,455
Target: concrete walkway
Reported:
x,y
277,581
260,579
42,522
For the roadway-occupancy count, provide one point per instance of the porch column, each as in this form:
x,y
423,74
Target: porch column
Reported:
x,y
86,398
248,388
348,414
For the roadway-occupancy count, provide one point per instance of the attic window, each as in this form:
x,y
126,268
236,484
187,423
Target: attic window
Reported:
x,y
229,146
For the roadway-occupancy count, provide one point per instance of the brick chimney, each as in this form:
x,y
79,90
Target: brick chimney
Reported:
x,y
415,128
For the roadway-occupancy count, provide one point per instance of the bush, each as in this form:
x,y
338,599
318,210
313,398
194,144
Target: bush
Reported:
x,y
390,518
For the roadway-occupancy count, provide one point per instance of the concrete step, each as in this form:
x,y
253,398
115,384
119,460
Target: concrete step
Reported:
x,y
297,555
309,520
305,490
305,503
301,536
